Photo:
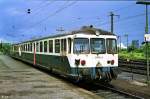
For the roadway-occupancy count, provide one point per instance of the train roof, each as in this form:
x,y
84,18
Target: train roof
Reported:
x,y
85,29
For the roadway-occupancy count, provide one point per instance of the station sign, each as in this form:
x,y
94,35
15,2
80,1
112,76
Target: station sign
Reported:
x,y
147,37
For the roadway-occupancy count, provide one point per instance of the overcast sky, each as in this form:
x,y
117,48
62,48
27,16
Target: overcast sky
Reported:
x,y
47,16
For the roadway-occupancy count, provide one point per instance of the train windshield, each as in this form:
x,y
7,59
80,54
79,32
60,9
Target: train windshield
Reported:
x,y
98,46
81,46
111,46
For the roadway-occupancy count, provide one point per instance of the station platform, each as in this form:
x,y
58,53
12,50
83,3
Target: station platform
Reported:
x,y
21,81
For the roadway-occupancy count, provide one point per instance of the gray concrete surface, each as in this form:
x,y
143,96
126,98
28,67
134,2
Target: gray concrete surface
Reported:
x,y
132,76
20,81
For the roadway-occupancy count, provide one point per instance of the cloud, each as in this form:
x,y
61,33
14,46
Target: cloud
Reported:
x,y
122,46
4,40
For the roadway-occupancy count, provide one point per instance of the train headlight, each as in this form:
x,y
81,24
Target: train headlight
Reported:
x,y
77,62
83,62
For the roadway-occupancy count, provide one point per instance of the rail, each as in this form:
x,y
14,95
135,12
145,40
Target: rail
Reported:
x,y
134,66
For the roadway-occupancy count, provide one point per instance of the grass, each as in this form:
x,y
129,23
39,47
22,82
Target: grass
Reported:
x,y
132,55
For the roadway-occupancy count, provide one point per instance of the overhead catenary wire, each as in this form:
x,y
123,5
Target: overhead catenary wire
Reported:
x,y
52,14
39,9
36,11
125,18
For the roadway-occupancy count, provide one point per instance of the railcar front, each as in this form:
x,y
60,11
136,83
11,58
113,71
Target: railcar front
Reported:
x,y
94,57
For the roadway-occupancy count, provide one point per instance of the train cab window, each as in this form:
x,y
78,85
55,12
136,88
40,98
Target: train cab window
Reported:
x,y
111,46
37,46
69,45
50,46
57,46
81,46
41,46
97,46
63,45
45,46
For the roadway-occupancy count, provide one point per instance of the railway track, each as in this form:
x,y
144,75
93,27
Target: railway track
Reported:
x,y
108,91
120,92
137,67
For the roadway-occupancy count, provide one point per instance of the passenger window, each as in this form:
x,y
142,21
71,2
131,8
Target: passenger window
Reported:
x,y
50,46
45,46
37,47
69,45
23,47
63,45
57,46
31,47
28,47
41,46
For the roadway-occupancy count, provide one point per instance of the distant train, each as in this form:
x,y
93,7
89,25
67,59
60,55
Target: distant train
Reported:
x,y
87,53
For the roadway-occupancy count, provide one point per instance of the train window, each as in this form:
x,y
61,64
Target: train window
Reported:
x,y
97,46
31,47
45,46
69,45
41,46
21,48
50,46
57,46
34,47
63,45
111,46
37,46
81,46
24,47
28,47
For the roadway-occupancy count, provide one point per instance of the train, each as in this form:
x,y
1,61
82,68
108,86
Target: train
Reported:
x,y
87,53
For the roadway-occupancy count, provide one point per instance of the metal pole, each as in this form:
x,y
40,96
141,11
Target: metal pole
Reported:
x,y
146,32
126,35
120,43
146,2
127,41
146,28
112,21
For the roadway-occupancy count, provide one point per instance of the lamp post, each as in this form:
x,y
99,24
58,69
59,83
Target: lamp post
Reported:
x,y
119,48
146,3
126,35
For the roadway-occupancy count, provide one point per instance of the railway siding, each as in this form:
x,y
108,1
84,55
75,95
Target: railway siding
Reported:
x,y
138,67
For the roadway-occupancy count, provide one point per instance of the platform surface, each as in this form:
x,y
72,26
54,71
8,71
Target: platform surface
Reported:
x,y
21,81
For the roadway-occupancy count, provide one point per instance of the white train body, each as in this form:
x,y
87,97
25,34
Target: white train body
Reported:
x,y
87,53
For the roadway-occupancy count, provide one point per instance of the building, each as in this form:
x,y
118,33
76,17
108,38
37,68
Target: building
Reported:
x,y
135,43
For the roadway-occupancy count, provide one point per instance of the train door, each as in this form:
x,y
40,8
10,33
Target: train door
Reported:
x,y
19,49
69,45
34,51
63,47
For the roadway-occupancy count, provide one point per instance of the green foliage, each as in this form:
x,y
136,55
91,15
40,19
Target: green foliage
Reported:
x,y
134,53
5,48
